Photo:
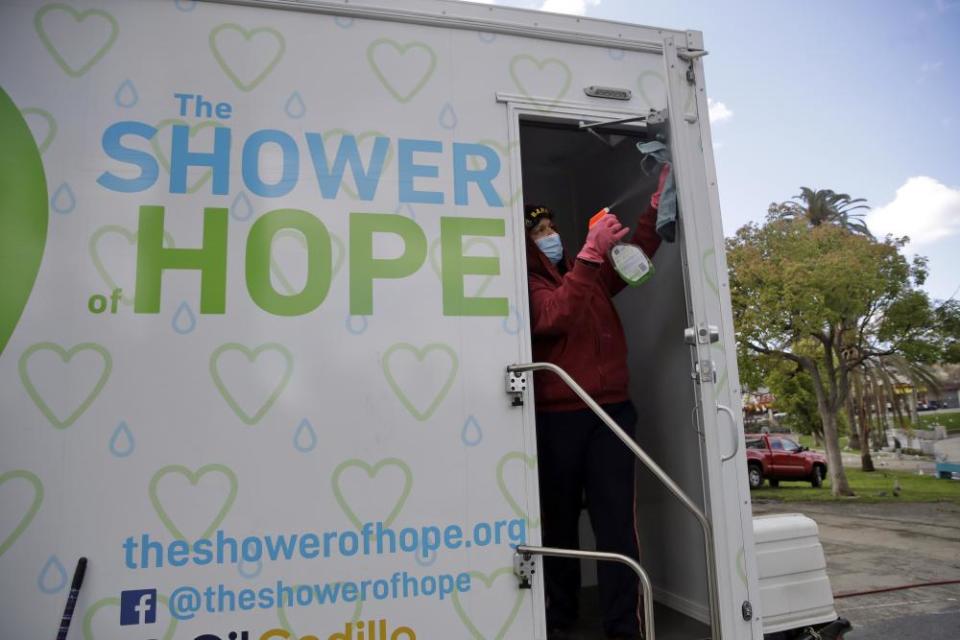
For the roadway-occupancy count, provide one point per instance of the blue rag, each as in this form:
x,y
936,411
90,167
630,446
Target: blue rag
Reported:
x,y
655,153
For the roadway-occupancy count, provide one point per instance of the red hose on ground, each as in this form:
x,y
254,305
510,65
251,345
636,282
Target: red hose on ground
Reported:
x,y
900,588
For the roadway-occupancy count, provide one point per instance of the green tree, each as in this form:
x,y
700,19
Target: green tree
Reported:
x,y
793,389
789,384
795,283
874,387
823,206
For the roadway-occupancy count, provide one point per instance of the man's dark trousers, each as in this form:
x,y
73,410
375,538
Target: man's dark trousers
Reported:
x,y
578,454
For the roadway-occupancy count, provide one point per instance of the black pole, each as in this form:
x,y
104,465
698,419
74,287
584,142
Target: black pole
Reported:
x,y
72,598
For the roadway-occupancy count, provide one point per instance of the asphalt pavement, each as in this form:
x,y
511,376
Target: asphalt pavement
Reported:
x,y
875,546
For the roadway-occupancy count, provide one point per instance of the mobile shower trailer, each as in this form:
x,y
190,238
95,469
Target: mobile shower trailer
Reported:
x,y
264,281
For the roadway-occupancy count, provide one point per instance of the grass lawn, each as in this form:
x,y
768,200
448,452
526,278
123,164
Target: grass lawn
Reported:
x,y
867,486
951,420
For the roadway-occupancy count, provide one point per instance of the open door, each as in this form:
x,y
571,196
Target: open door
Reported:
x,y
577,172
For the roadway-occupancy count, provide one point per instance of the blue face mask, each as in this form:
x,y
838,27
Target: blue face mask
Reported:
x,y
552,247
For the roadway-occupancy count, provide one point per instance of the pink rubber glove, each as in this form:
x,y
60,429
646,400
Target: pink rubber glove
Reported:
x,y
602,236
664,172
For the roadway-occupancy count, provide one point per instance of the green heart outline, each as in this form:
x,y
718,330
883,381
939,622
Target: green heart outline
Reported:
x,y
251,355
78,17
51,125
420,354
707,260
277,270
31,513
131,237
194,130
193,478
371,472
402,50
247,35
656,74
285,622
115,602
505,152
531,462
540,65
467,244
65,355
363,135
742,565
488,581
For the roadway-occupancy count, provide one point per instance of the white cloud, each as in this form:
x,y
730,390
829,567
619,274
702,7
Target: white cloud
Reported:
x,y
718,111
575,7
923,208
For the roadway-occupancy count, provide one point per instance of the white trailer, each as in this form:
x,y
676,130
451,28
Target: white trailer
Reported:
x,y
266,281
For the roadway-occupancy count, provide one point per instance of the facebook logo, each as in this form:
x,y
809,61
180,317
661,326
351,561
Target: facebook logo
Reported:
x,y
138,606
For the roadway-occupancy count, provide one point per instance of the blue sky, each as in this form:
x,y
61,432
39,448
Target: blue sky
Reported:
x,y
859,96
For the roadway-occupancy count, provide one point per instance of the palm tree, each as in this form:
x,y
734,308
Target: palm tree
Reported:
x,y
874,386
823,206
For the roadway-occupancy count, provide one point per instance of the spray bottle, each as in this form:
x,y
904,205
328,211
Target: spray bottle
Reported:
x,y
626,258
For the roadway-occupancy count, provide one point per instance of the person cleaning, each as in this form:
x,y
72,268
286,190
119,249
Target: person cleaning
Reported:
x,y
575,325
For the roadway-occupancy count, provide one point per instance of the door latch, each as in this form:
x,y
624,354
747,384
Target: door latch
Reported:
x,y
690,56
704,371
702,334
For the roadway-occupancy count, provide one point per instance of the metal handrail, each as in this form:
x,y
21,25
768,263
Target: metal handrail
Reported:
x,y
655,469
609,557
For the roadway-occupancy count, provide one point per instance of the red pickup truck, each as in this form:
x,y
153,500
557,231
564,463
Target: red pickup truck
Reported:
x,y
780,458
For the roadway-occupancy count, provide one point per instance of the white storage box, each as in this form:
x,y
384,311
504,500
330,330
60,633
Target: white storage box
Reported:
x,y
794,587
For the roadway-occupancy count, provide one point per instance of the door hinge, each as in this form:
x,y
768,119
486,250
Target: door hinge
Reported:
x,y
524,566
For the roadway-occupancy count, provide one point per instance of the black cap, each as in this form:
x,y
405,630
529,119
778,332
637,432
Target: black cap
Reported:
x,y
533,213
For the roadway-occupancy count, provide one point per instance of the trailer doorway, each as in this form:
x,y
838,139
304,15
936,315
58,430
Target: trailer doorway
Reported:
x,y
576,173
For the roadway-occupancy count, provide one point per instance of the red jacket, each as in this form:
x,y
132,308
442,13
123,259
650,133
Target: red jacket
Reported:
x,y
575,325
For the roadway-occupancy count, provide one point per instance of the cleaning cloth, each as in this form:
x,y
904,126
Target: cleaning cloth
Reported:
x,y
655,153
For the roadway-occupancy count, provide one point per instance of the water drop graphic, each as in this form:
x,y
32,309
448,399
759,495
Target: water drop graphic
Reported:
x,y
471,434
406,209
241,209
122,442
486,37
243,568
184,321
357,324
343,22
63,200
448,117
305,438
53,577
429,560
126,95
295,107
511,323
186,5
616,54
